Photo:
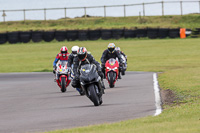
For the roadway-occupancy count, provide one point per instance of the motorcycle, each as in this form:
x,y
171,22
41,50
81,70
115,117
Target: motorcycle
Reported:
x,y
111,71
124,65
91,83
62,75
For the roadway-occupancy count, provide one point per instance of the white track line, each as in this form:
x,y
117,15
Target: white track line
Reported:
x,y
157,95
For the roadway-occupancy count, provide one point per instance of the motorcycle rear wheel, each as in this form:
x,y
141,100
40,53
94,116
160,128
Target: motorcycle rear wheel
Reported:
x,y
63,84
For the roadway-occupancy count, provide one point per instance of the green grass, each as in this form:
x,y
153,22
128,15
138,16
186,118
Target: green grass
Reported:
x,y
177,59
185,21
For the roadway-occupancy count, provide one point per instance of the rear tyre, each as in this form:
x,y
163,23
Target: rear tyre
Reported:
x,y
111,79
93,95
63,84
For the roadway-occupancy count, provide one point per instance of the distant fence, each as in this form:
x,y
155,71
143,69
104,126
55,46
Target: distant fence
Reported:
x,y
83,35
142,11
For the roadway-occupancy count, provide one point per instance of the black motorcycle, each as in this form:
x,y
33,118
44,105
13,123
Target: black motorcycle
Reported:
x,y
91,83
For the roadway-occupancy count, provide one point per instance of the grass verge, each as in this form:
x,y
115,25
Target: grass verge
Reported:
x,y
170,21
177,59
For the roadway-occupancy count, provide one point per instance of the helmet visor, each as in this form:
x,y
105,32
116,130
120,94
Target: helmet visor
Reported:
x,y
74,52
81,56
64,52
111,49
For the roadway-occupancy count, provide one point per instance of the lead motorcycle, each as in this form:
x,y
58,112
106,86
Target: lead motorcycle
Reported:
x,y
91,83
111,71
62,75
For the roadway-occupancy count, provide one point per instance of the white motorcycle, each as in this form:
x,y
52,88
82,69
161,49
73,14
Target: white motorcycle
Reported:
x,y
124,64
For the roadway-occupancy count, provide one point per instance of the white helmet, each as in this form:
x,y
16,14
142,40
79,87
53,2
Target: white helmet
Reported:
x,y
75,49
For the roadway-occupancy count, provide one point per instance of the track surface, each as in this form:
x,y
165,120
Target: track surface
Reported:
x,y
32,102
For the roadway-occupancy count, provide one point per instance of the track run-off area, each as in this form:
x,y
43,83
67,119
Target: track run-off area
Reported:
x,y
32,102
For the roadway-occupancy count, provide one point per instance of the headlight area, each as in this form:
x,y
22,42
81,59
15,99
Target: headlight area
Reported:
x,y
111,68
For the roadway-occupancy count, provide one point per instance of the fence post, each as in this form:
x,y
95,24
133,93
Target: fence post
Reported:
x,y
45,14
124,10
85,11
4,15
24,15
199,6
140,17
162,8
104,11
65,13
143,9
181,8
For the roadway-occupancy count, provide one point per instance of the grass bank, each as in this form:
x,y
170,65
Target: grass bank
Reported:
x,y
185,21
177,59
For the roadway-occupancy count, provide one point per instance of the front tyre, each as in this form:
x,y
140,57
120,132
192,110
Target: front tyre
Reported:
x,y
63,84
93,95
111,78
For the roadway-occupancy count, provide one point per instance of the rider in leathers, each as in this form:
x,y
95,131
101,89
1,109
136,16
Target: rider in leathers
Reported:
x,y
83,58
63,56
72,56
121,52
110,53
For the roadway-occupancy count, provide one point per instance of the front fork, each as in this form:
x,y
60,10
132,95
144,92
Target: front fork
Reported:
x,y
66,78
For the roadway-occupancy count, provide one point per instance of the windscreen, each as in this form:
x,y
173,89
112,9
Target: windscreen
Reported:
x,y
112,61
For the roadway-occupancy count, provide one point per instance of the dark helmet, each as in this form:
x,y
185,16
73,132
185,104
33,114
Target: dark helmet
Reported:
x,y
82,53
111,47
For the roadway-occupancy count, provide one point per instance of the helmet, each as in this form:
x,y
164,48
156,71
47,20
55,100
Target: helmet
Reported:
x,y
82,53
64,51
75,49
117,49
111,47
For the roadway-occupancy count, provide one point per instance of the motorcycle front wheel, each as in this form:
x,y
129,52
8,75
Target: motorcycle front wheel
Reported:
x,y
63,84
93,95
111,79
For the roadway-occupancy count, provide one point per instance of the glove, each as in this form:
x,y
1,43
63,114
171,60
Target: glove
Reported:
x,y
54,69
100,74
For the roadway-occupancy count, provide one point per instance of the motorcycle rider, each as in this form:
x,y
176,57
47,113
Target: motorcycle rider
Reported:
x,y
121,52
63,56
110,53
72,56
83,57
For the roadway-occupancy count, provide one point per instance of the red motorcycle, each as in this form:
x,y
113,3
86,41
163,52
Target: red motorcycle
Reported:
x,y
62,75
111,71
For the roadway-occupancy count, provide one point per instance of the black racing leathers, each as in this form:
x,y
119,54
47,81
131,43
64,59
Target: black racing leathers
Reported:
x,y
70,60
77,64
106,56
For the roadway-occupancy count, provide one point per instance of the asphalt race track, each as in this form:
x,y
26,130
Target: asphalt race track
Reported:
x,y
32,102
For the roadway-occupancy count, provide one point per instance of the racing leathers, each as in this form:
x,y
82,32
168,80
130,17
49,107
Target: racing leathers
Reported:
x,y
106,56
121,52
77,65
70,60
59,57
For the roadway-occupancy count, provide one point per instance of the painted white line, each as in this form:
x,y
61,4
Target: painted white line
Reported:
x,y
157,95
